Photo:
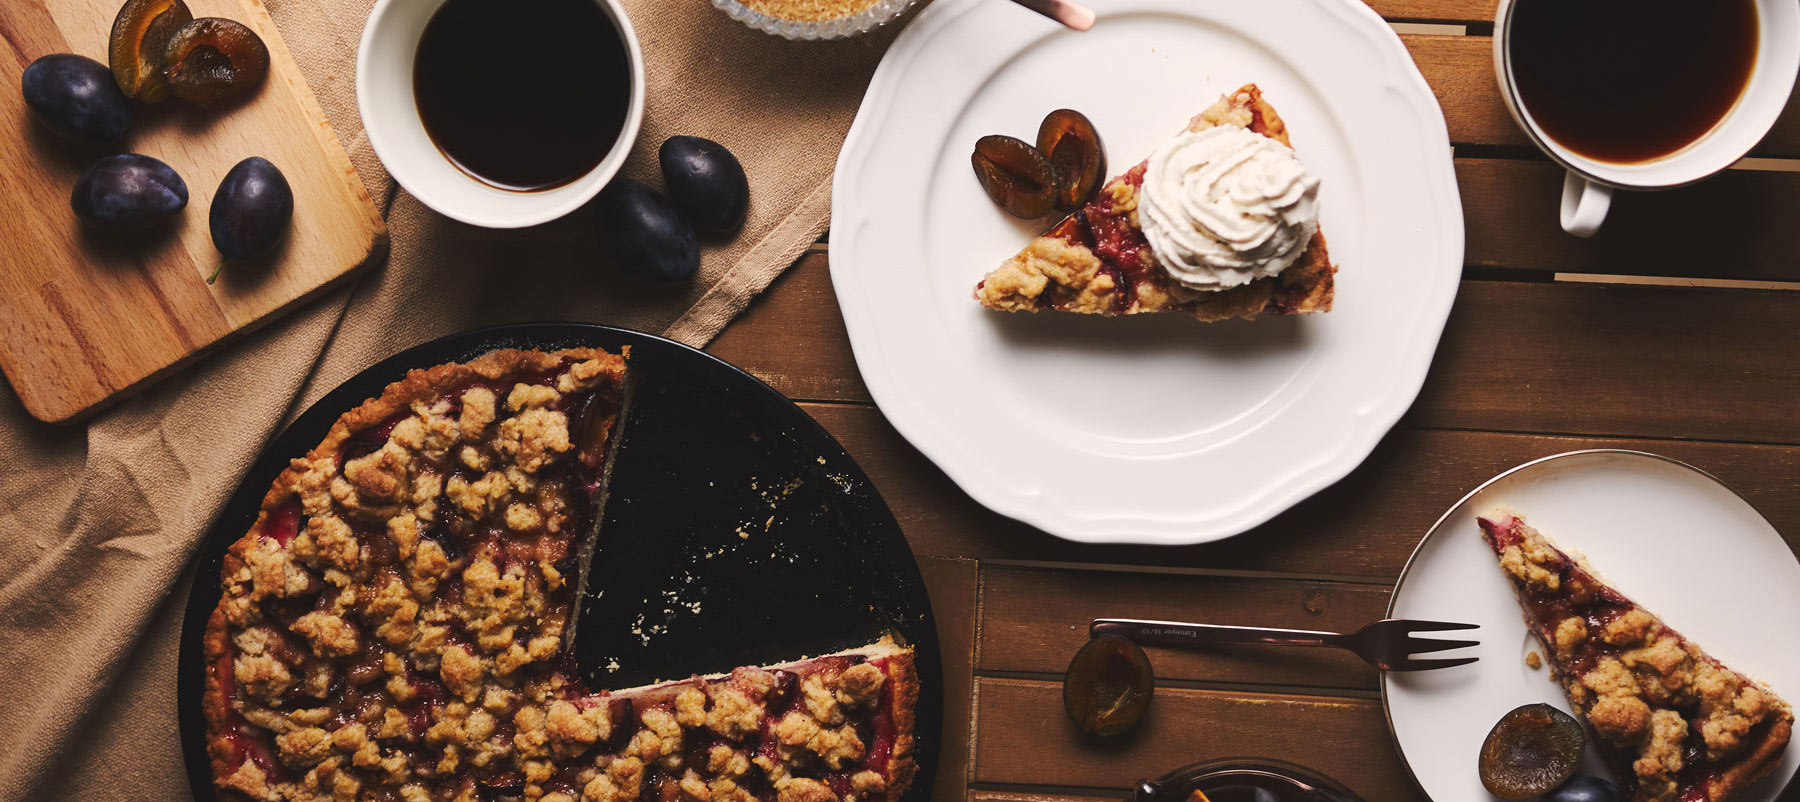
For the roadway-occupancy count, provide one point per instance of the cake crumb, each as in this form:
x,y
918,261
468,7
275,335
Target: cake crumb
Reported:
x,y
809,10
1532,660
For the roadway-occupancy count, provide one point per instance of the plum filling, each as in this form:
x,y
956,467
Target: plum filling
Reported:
x,y
1120,246
283,522
1578,595
255,747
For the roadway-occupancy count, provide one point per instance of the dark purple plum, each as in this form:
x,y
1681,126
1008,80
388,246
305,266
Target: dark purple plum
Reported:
x,y
77,98
1587,788
707,183
251,210
644,234
128,190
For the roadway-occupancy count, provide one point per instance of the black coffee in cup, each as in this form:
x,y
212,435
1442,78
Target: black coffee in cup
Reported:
x,y
523,95
1630,80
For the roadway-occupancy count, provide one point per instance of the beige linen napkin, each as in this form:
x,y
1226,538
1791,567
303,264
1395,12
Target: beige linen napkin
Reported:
x,y
98,522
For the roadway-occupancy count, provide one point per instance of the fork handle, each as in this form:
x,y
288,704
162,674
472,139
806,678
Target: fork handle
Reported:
x,y
1182,633
1074,15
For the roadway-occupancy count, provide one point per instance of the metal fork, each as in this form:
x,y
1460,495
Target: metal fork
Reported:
x,y
1387,644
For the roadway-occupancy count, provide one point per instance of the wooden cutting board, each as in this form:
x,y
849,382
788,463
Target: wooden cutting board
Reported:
x,y
87,316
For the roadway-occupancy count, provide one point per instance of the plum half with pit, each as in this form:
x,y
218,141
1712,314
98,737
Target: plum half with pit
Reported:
x,y
1069,141
706,182
139,41
1015,175
1108,686
1531,751
251,211
128,190
644,234
213,60
76,98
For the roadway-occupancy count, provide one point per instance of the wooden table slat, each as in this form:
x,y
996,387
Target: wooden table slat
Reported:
x,y
1582,359
1033,620
1362,527
1025,738
1619,360
1466,11
952,585
1739,225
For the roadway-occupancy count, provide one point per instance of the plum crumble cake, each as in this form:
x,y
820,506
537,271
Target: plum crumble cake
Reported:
x,y
394,626
1220,222
1674,723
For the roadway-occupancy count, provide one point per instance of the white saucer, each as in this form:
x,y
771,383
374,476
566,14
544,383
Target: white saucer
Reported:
x,y
1666,534
1155,429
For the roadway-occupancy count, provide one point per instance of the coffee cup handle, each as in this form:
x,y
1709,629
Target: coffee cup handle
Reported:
x,y
1584,205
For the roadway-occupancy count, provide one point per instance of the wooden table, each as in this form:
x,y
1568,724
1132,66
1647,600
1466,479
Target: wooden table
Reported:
x,y
1555,344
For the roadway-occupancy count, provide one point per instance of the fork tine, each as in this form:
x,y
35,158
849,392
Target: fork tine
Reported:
x,y
1427,665
1433,626
1425,645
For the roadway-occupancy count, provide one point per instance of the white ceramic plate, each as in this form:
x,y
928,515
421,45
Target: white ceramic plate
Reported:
x,y
1152,429
1666,534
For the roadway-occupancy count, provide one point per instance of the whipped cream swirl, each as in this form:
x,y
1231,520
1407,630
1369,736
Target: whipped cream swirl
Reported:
x,y
1225,206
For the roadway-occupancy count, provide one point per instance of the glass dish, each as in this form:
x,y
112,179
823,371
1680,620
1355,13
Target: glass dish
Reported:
x,y
1242,780
868,19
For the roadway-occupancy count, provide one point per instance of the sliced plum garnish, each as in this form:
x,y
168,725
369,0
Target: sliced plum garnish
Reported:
x,y
1069,141
1015,175
139,41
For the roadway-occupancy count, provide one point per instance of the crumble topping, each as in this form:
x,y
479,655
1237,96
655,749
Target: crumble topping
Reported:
x,y
1571,633
1021,280
392,629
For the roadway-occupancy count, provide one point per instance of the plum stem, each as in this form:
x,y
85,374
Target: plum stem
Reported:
x,y
216,271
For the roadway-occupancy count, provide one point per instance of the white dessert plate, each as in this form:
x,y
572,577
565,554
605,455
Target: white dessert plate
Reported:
x,y
1158,428
1666,534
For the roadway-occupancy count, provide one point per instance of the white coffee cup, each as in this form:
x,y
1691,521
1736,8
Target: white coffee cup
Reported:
x,y
1589,185
390,115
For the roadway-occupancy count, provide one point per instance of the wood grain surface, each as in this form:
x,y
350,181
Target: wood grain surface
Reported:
x,y
86,315
1682,337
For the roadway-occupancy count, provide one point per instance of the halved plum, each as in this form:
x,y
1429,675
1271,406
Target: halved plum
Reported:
x,y
1531,751
140,38
1108,686
1015,175
1069,141
212,60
